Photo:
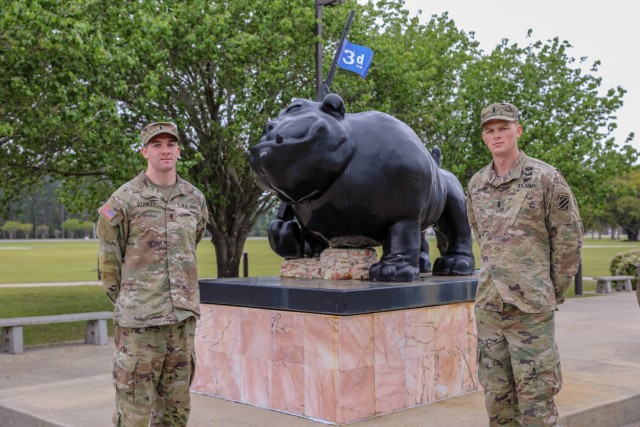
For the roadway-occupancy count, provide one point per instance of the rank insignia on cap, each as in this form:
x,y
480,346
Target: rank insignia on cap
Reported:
x,y
563,203
107,212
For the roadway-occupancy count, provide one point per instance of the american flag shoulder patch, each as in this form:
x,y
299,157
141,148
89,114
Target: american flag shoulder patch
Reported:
x,y
107,212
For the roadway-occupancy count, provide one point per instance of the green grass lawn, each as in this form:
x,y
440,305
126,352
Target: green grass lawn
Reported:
x,y
48,261
72,261
76,261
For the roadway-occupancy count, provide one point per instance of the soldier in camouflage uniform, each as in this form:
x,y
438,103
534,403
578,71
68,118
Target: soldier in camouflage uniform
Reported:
x,y
527,224
148,234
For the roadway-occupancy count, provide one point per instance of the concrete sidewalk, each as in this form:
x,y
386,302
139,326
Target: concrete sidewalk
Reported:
x,y
599,339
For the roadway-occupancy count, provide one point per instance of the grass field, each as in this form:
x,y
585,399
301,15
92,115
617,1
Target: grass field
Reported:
x,y
76,261
71,261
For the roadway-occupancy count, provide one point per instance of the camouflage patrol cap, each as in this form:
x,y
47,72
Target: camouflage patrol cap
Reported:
x,y
153,129
499,111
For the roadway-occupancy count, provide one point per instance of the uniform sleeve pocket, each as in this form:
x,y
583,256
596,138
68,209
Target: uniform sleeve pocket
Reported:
x,y
124,367
106,231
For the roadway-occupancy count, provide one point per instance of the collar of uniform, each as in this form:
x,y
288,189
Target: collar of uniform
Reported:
x,y
490,174
148,190
180,186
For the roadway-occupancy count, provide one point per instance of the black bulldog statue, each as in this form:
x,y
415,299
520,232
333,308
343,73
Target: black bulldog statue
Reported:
x,y
360,180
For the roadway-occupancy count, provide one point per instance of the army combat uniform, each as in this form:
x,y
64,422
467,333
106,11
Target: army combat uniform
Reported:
x,y
530,236
148,265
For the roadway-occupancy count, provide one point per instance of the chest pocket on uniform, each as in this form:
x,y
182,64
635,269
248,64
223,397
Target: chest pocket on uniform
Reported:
x,y
528,207
185,216
483,218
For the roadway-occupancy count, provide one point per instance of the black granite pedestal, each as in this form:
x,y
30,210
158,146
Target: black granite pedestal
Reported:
x,y
339,297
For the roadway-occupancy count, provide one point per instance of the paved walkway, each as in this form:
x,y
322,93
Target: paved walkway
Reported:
x,y
599,339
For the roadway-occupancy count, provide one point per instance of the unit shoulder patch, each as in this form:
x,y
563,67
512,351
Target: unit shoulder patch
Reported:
x,y
563,201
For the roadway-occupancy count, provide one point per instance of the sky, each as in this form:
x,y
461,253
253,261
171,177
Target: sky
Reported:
x,y
602,31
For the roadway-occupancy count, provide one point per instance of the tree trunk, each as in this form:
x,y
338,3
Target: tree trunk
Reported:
x,y
632,235
228,253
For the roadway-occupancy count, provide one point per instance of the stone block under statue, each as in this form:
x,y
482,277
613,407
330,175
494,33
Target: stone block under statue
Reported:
x,y
336,351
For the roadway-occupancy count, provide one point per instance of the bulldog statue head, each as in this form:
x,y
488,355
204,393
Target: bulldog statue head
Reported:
x,y
303,151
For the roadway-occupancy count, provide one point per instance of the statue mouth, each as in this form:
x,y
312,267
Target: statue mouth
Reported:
x,y
276,173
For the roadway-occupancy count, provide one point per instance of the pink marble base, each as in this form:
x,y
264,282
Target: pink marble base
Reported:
x,y
337,369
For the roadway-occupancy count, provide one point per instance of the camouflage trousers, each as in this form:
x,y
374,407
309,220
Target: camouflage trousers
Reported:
x,y
152,370
518,366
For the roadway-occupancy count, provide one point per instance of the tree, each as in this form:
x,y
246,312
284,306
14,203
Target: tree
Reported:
x,y
74,226
71,227
84,78
86,228
95,72
38,206
11,228
623,205
435,78
600,222
627,210
42,231
567,121
25,229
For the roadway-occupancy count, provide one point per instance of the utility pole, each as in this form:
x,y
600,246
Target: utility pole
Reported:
x,y
318,5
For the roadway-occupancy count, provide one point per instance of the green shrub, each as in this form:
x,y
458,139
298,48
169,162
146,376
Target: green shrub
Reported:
x,y
626,264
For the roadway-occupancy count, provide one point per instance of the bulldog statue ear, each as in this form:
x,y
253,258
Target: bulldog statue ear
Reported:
x,y
333,104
